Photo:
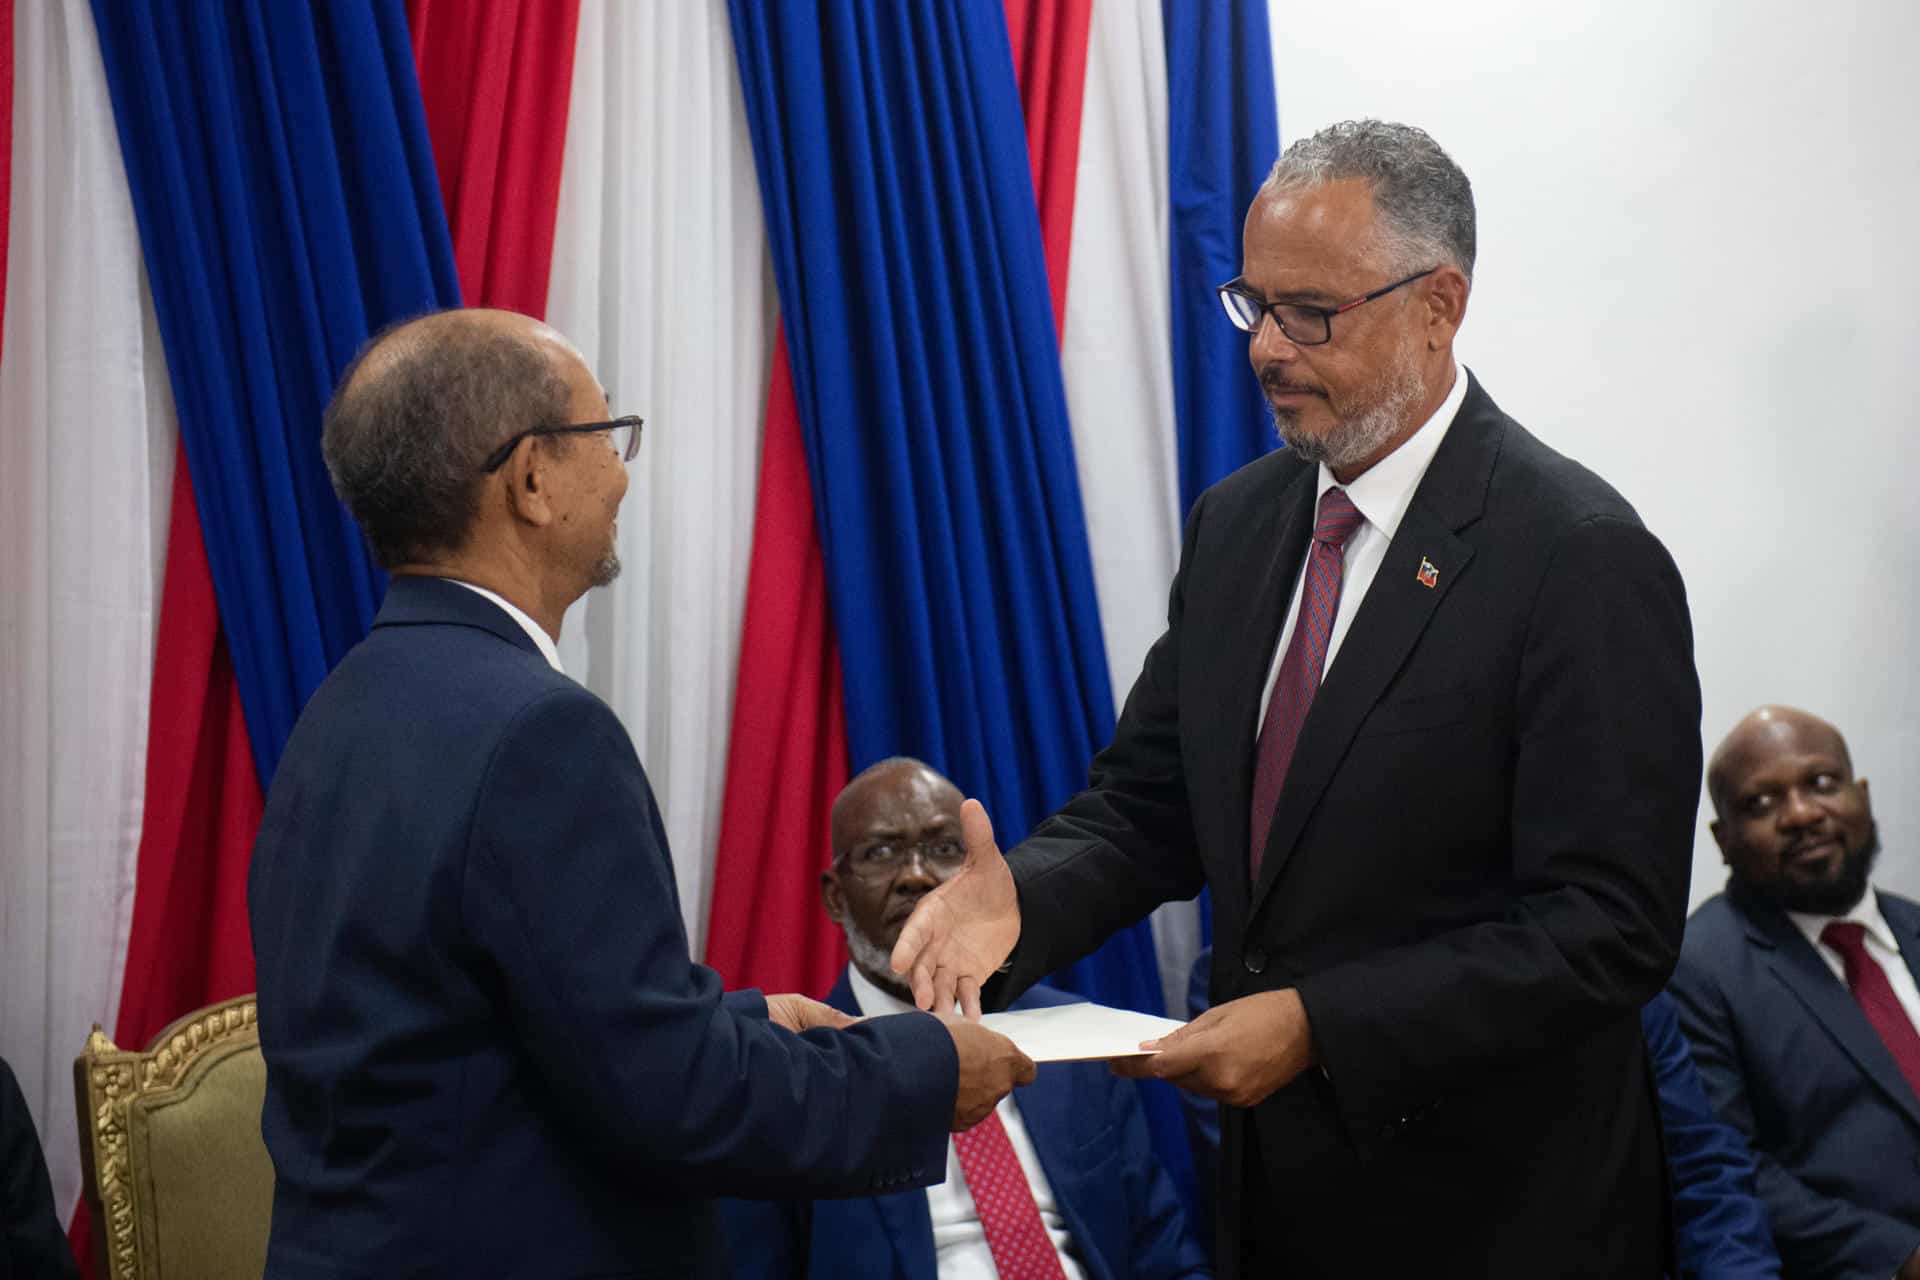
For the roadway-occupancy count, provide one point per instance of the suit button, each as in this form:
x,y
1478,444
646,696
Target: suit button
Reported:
x,y
1254,961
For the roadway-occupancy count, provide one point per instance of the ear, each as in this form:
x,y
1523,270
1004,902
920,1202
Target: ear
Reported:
x,y
529,478
1719,838
832,897
1446,297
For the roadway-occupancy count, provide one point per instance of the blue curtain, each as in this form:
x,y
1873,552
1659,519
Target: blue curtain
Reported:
x,y
1223,134
899,201
287,203
894,173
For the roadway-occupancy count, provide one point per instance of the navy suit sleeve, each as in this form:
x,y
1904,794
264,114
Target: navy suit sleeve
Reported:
x,y
1162,1246
1722,1230
1818,1235
569,894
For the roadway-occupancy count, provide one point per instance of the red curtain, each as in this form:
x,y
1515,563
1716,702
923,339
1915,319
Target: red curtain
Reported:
x,y
787,758
496,77
189,944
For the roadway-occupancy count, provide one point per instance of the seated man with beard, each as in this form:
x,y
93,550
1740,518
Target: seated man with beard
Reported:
x,y
1797,988
1061,1183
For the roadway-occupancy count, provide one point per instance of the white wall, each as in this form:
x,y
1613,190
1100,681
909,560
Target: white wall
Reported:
x,y
1699,274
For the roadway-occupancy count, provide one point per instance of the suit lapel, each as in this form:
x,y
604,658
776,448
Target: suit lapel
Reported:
x,y
1277,544
1799,967
1398,605
1903,918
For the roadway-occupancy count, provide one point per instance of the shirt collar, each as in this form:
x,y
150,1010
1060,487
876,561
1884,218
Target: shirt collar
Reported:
x,y
1865,912
535,632
1381,494
872,1000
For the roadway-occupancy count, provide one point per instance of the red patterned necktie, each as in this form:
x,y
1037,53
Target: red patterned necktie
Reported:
x,y
1868,982
1299,677
1021,1247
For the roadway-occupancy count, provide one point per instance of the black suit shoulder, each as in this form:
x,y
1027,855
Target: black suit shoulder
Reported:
x,y
1537,481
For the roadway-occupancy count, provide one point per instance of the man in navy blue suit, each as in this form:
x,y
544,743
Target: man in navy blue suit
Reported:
x,y
488,1052
1075,1170
1797,987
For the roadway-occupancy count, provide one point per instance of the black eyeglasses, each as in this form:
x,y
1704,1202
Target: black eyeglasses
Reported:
x,y
884,859
1304,324
624,432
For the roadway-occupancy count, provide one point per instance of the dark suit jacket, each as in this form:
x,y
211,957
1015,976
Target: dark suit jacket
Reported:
x,y
487,1050
1721,1228
1790,1059
33,1244
1477,870
1090,1133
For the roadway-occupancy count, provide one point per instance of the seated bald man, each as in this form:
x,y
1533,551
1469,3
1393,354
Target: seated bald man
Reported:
x,y
1797,987
1067,1174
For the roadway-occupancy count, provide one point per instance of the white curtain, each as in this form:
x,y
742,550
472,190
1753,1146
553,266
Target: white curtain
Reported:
x,y
661,275
1117,359
86,451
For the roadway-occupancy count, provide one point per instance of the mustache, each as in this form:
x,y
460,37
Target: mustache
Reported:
x,y
1274,381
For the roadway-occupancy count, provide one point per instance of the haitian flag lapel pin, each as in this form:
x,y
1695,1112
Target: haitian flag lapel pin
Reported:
x,y
1428,575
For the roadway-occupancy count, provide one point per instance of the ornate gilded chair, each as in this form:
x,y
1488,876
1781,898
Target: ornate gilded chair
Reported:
x,y
177,1177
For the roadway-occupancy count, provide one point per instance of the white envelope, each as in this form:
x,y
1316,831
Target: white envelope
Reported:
x,y
1079,1032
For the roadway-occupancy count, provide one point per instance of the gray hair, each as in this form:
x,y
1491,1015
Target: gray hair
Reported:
x,y
1424,201
414,418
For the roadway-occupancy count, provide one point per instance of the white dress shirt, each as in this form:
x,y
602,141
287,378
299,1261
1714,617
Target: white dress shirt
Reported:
x,y
1880,944
959,1241
1381,496
548,649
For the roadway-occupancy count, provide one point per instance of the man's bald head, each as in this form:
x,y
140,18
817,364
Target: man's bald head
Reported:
x,y
896,838
1793,822
419,409
1763,733
889,777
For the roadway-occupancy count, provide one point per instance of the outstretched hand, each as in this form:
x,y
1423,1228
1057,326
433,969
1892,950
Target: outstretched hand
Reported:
x,y
962,931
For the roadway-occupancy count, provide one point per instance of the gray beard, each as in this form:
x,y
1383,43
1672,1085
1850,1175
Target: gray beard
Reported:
x,y
1360,435
605,570
875,963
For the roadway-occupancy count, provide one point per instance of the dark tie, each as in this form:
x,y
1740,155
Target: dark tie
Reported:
x,y
1300,669
1868,982
1018,1240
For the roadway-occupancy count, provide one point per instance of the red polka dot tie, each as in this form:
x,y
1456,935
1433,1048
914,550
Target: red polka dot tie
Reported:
x,y
1300,669
1021,1247
1868,982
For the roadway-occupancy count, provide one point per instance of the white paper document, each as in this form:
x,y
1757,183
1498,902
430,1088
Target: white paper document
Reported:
x,y
1079,1032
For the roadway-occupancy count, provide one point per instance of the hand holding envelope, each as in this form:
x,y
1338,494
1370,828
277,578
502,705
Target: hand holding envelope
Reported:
x,y
1082,1032
1239,1052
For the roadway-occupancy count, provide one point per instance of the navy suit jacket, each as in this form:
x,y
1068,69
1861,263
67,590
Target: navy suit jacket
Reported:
x,y
487,1050
1790,1059
1090,1133
1720,1229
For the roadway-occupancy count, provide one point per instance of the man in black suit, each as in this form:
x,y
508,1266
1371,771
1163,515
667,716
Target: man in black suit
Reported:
x,y
1425,720
488,1051
1800,990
